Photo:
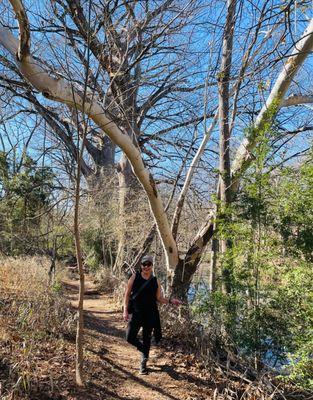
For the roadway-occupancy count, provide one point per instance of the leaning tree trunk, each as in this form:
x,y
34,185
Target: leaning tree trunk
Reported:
x,y
186,267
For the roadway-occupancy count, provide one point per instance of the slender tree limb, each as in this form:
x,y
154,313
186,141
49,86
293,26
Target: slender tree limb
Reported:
x,y
296,100
146,138
299,153
190,173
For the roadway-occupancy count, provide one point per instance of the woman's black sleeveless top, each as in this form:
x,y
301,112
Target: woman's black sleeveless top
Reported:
x,y
146,300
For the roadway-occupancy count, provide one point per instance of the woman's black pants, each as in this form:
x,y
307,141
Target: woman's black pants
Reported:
x,y
137,321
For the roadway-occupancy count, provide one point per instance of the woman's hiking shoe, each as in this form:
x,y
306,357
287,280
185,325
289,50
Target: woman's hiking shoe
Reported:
x,y
143,367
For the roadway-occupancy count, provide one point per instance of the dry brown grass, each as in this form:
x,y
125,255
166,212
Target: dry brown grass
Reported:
x,y
36,306
34,317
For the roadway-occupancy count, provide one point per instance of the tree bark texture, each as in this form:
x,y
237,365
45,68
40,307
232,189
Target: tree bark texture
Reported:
x,y
223,101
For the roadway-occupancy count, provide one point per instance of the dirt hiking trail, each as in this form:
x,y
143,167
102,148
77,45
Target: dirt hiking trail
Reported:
x,y
111,364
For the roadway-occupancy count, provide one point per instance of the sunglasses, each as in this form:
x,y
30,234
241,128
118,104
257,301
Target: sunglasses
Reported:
x,y
147,264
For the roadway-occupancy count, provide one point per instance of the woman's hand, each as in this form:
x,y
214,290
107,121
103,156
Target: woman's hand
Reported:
x,y
175,302
126,316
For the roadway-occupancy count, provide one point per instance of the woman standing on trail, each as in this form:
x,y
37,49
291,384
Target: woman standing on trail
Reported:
x,y
140,308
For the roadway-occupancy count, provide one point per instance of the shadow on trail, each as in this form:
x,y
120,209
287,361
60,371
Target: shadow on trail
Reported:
x,y
96,312
171,372
141,381
179,376
102,326
70,287
93,322
109,395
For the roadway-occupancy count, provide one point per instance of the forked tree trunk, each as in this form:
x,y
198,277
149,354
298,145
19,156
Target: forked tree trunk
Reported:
x,y
186,267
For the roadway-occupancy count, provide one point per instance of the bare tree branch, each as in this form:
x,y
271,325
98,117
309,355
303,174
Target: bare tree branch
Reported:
x,y
243,157
60,90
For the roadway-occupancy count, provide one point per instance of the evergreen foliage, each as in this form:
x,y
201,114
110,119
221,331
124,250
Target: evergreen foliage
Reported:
x,y
25,195
269,312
